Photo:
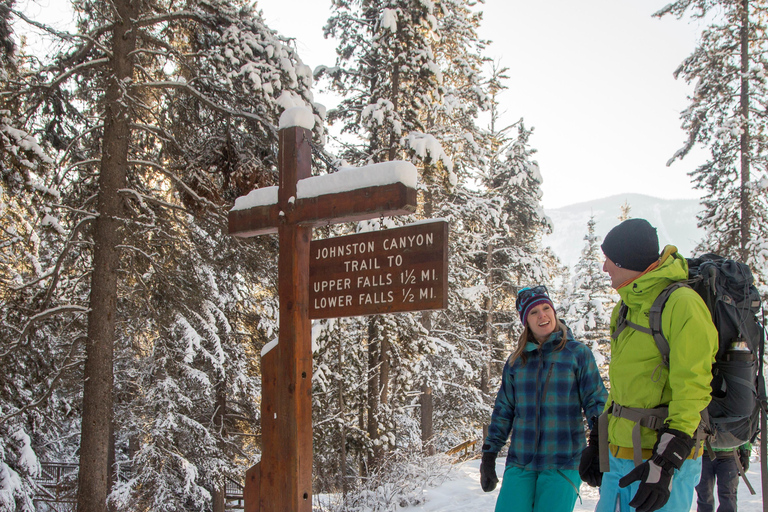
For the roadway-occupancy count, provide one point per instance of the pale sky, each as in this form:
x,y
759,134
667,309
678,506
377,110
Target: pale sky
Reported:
x,y
594,78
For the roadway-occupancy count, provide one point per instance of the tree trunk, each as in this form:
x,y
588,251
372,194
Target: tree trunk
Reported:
x,y
427,426
484,378
93,482
220,491
485,374
393,137
373,394
219,498
384,365
426,401
371,14
744,203
342,429
361,460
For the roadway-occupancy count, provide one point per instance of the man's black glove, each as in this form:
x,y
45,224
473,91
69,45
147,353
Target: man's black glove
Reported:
x,y
655,475
744,455
589,466
488,478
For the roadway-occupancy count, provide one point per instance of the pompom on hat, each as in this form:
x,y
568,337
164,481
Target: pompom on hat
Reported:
x,y
633,245
530,297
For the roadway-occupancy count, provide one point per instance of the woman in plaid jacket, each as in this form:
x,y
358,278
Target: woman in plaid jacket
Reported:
x,y
549,384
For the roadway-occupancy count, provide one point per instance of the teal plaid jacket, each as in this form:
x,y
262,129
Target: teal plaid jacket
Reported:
x,y
541,404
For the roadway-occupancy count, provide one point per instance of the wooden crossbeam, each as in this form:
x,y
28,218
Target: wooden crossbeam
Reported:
x,y
355,205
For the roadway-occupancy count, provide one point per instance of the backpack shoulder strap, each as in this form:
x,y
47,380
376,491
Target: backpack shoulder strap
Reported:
x,y
654,320
622,323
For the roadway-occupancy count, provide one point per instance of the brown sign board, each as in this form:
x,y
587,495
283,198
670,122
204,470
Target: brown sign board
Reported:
x,y
387,271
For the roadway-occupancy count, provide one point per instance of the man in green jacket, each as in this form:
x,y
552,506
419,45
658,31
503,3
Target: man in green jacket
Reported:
x,y
650,403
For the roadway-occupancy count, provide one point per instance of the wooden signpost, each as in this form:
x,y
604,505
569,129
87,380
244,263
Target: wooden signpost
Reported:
x,y
282,480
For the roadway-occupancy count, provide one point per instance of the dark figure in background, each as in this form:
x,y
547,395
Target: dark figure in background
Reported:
x,y
725,470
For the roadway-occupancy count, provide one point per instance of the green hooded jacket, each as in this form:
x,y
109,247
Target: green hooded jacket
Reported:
x,y
637,376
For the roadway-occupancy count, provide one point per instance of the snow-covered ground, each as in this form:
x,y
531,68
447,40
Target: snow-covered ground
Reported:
x,y
461,493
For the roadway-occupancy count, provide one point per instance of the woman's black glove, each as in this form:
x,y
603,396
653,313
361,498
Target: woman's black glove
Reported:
x,y
488,478
589,466
744,455
655,475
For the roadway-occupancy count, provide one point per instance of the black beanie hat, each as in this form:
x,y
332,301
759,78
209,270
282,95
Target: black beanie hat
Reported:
x,y
632,245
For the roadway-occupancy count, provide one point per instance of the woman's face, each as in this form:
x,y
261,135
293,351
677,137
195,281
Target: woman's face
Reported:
x,y
541,321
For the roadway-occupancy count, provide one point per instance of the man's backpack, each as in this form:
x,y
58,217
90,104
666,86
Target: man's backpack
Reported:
x,y
737,377
738,385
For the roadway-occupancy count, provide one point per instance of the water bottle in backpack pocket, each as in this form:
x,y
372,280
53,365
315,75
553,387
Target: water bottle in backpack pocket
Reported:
x,y
733,411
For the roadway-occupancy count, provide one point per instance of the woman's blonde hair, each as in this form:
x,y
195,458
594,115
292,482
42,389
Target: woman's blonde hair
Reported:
x,y
527,336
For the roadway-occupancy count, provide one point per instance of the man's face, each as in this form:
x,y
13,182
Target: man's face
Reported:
x,y
618,275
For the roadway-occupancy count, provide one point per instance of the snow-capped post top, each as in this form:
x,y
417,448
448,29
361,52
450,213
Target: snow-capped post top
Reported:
x,y
257,197
297,116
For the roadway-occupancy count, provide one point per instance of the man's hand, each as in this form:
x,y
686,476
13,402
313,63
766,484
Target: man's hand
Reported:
x,y
655,486
655,475
589,466
488,478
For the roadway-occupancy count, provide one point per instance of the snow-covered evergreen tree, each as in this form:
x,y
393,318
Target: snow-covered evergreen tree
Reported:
x,y
198,98
500,222
409,73
625,211
386,73
35,356
591,299
728,69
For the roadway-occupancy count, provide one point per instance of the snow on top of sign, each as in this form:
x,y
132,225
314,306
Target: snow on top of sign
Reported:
x,y
348,178
257,197
427,221
389,223
269,346
353,178
297,116
317,330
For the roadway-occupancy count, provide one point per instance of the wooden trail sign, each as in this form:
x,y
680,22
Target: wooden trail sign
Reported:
x,y
282,480
401,269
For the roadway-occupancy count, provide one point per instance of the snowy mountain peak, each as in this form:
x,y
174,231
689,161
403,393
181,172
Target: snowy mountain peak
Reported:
x,y
674,219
